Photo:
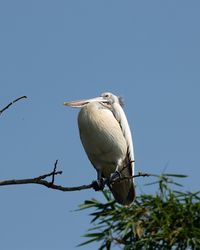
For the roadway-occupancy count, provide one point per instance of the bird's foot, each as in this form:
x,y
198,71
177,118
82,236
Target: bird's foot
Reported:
x,y
114,176
98,184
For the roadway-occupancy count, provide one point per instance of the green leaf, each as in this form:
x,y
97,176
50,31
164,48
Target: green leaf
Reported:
x,y
87,242
93,235
176,175
88,204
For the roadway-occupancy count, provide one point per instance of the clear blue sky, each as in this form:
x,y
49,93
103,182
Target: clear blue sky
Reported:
x,y
55,51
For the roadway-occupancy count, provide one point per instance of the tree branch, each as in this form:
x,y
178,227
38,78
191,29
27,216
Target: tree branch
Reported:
x,y
40,180
11,103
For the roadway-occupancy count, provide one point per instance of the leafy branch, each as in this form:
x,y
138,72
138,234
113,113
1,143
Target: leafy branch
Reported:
x,y
170,219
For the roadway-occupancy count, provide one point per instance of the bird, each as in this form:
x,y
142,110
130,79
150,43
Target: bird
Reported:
x,y
106,137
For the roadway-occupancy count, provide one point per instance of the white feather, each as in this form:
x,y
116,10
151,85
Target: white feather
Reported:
x,y
121,118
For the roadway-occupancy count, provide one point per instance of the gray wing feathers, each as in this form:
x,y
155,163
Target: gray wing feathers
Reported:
x,y
124,191
121,118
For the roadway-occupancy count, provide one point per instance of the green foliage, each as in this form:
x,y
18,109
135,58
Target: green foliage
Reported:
x,y
169,219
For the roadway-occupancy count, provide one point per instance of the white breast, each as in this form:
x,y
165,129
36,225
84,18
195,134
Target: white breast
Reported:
x,y
102,137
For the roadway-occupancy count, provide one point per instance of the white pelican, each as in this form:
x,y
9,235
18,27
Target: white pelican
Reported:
x,y
107,140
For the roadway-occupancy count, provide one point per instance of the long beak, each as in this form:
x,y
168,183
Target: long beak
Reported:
x,y
81,103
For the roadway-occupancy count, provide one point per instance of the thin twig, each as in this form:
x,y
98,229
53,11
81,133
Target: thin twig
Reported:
x,y
119,178
54,172
140,174
11,103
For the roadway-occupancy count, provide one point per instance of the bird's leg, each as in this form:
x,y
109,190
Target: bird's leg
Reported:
x,y
99,184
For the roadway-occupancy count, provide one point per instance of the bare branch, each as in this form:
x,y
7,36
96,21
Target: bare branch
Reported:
x,y
40,180
11,103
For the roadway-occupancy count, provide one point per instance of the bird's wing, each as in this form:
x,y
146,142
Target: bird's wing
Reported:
x,y
121,118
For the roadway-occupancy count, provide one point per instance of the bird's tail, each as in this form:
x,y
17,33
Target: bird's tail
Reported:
x,y
124,190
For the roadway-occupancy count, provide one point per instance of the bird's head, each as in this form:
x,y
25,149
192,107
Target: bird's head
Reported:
x,y
106,98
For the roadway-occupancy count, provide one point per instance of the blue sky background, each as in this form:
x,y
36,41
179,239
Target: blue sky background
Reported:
x,y
55,51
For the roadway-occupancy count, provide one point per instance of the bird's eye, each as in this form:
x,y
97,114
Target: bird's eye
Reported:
x,y
106,95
